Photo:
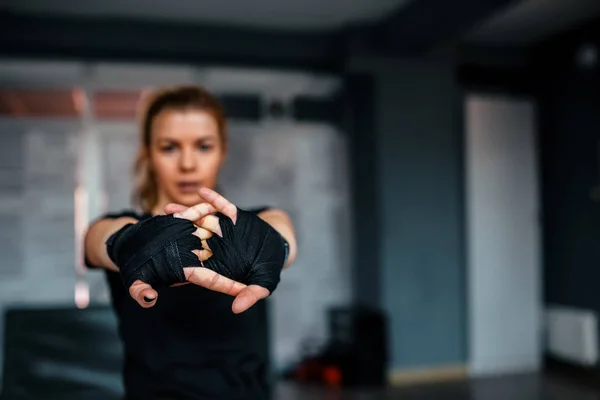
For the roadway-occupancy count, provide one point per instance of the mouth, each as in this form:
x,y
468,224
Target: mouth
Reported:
x,y
188,187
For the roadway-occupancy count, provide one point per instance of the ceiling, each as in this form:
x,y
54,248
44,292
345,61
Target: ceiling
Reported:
x,y
531,21
286,14
296,34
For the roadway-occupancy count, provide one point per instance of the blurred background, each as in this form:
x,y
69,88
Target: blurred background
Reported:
x,y
441,162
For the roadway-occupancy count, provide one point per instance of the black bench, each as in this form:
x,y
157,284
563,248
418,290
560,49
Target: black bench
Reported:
x,y
61,353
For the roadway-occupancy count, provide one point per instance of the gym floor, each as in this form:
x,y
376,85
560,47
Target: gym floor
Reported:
x,y
516,387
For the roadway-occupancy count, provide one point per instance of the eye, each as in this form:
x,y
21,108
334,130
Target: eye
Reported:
x,y
168,148
205,146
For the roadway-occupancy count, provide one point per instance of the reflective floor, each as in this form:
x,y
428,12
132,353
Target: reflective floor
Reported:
x,y
518,387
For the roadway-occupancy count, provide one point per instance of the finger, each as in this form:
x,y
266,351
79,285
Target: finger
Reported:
x,y
248,297
143,294
196,212
210,223
173,208
202,233
211,280
203,255
205,245
222,205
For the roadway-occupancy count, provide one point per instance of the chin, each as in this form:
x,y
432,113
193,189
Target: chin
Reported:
x,y
187,200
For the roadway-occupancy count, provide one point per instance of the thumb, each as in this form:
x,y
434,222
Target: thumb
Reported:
x,y
143,294
248,297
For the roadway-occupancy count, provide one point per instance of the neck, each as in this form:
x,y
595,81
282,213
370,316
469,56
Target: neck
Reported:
x,y
159,208
158,211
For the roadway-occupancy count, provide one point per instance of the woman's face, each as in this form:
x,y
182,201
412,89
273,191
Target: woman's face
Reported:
x,y
186,153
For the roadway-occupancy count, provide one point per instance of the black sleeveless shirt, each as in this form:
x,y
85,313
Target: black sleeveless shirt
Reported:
x,y
190,345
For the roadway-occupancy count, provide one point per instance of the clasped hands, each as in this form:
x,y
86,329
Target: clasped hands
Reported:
x,y
213,244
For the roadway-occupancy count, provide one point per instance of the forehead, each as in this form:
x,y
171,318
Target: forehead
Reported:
x,y
184,125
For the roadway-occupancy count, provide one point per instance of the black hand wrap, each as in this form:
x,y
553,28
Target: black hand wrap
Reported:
x,y
251,251
155,250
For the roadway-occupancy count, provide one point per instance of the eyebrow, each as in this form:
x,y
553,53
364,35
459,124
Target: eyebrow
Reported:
x,y
200,139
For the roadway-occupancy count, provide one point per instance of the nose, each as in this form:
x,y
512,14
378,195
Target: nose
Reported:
x,y
187,161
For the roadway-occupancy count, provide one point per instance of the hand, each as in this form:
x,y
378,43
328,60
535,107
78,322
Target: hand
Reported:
x,y
159,252
249,251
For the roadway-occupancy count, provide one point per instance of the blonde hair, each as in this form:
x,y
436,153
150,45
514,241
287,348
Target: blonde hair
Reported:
x,y
180,98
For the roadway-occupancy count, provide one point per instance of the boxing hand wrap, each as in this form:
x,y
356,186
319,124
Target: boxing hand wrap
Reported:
x,y
250,252
155,250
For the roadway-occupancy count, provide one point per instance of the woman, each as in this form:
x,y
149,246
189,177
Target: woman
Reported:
x,y
175,267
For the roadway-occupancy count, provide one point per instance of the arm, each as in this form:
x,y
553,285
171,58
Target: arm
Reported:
x,y
96,237
281,222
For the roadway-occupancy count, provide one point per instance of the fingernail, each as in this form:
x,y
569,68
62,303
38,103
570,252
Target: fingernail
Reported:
x,y
148,299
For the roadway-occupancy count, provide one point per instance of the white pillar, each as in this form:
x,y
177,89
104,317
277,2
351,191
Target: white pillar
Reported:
x,y
89,191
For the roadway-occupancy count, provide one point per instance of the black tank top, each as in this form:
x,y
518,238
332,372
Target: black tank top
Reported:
x,y
190,345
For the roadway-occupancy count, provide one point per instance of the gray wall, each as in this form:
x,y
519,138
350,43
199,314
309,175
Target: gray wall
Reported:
x,y
37,254
419,145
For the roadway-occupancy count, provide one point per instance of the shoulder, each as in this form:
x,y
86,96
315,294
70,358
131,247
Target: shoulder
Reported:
x,y
258,210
